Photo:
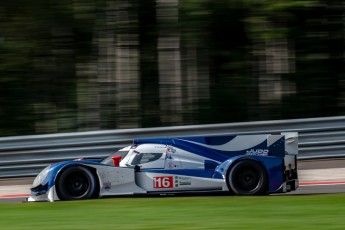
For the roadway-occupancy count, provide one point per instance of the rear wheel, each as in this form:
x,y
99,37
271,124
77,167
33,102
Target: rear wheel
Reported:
x,y
247,177
76,183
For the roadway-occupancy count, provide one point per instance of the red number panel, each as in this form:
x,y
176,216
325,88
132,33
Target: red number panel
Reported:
x,y
163,182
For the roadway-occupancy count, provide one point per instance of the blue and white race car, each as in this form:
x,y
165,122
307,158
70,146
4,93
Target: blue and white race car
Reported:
x,y
237,164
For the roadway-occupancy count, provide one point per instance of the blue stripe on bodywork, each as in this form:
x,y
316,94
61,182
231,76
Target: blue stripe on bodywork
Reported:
x,y
214,154
163,141
207,152
215,140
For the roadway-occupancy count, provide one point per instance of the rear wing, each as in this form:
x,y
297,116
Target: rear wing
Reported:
x,y
291,143
283,144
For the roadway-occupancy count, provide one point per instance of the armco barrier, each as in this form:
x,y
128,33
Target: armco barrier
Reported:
x,y
27,155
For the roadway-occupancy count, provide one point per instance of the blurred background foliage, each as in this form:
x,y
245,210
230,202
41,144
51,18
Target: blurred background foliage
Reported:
x,y
80,65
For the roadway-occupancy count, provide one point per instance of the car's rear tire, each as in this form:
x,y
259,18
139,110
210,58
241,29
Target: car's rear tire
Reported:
x,y
247,177
76,183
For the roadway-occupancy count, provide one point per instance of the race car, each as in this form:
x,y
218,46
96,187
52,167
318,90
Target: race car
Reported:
x,y
234,164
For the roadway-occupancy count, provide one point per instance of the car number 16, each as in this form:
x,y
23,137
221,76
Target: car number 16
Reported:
x,y
163,182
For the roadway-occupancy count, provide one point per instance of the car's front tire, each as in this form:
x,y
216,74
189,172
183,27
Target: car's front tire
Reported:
x,y
76,183
247,177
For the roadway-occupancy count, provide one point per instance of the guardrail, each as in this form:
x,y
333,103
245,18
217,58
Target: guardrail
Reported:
x,y
27,155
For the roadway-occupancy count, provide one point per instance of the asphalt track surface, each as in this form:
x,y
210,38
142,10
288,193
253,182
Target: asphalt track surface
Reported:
x,y
335,183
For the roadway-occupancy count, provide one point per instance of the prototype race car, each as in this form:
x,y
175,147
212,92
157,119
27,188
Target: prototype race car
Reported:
x,y
237,164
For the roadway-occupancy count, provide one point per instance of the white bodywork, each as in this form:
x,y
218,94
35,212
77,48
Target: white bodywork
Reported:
x,y
120,180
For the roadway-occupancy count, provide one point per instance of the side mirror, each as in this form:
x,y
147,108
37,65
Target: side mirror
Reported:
x,y
116,160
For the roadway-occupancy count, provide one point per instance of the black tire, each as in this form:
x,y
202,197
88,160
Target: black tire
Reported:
x,y
247,177
76,183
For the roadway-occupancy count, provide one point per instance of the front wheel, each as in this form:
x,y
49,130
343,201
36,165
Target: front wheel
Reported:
x,y
76,183
247,177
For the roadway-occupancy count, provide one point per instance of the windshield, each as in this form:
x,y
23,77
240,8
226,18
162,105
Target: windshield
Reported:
x,y
142,158
121,152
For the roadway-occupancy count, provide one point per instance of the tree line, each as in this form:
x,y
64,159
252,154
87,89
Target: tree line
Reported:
x,y
80,65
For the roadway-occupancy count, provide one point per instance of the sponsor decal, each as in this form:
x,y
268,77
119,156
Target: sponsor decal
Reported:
x,y
171,165
185,183
182,181
163,182
262,152
107,185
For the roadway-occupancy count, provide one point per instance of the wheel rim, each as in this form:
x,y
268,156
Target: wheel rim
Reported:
x,y
77,184
247,179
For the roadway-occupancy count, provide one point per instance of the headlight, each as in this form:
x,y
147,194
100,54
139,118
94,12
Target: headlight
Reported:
x,y
41,176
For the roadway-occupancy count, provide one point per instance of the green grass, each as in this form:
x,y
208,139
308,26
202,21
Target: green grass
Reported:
x,y
201,212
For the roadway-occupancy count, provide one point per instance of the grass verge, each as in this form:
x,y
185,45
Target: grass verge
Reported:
x,y
200,212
